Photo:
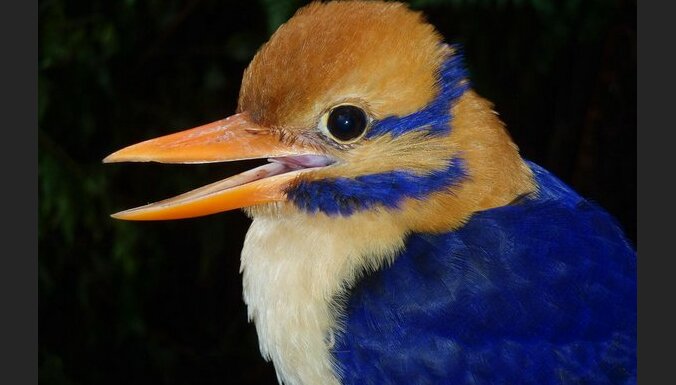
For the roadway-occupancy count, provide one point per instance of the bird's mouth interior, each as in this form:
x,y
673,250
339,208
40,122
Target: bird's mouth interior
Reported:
x,y
289,166
276,166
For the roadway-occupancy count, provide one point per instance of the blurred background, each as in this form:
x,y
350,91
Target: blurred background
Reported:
x,y
160,302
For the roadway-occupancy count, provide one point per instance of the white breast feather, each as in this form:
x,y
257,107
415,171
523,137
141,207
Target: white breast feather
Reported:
x,y
294,268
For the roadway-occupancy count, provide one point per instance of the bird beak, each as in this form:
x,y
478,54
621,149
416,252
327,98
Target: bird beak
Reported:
x,y
233,138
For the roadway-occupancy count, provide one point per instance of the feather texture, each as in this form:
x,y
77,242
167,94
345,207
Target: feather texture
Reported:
x,y
435,117
542,291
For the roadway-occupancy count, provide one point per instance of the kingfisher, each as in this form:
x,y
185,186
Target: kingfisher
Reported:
x,y
397,235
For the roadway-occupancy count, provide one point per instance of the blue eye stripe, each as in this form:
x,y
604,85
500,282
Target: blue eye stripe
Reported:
x,y
436,116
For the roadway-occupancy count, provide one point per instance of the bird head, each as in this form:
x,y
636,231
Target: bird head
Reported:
x,y
360,107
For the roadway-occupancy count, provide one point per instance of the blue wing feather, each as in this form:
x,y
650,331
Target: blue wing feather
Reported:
x,y
542,291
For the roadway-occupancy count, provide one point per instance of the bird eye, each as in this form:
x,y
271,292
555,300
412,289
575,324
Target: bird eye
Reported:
x,y
346,123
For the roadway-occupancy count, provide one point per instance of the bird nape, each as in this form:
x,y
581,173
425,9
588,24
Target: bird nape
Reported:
x,y
397,236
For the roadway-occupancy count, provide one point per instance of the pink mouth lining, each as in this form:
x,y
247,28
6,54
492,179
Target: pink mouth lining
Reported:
x,y
298,162
277,166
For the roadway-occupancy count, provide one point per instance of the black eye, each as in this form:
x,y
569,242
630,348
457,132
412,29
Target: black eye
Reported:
x,y
346,122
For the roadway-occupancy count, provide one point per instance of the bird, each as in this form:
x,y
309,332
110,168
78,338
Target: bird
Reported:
x,y
397,234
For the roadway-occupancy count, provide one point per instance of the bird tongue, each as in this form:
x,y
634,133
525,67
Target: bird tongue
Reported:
x,y
298,162
277,166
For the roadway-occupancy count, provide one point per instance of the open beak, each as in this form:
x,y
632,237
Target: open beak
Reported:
x,y
233,138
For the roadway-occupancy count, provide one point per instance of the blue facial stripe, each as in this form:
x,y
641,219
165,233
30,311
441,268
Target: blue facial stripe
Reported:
x,y
436,116
344,196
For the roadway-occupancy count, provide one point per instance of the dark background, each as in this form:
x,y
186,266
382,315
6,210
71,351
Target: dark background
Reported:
x,y
160,302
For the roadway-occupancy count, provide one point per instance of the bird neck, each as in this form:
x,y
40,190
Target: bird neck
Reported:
x,y
494,172
296,269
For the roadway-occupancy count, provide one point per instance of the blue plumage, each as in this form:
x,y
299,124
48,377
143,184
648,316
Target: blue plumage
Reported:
x,y
344,196
542,291
436,116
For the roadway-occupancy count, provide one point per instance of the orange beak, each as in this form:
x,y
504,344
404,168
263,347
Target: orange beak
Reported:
x,y
233,138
